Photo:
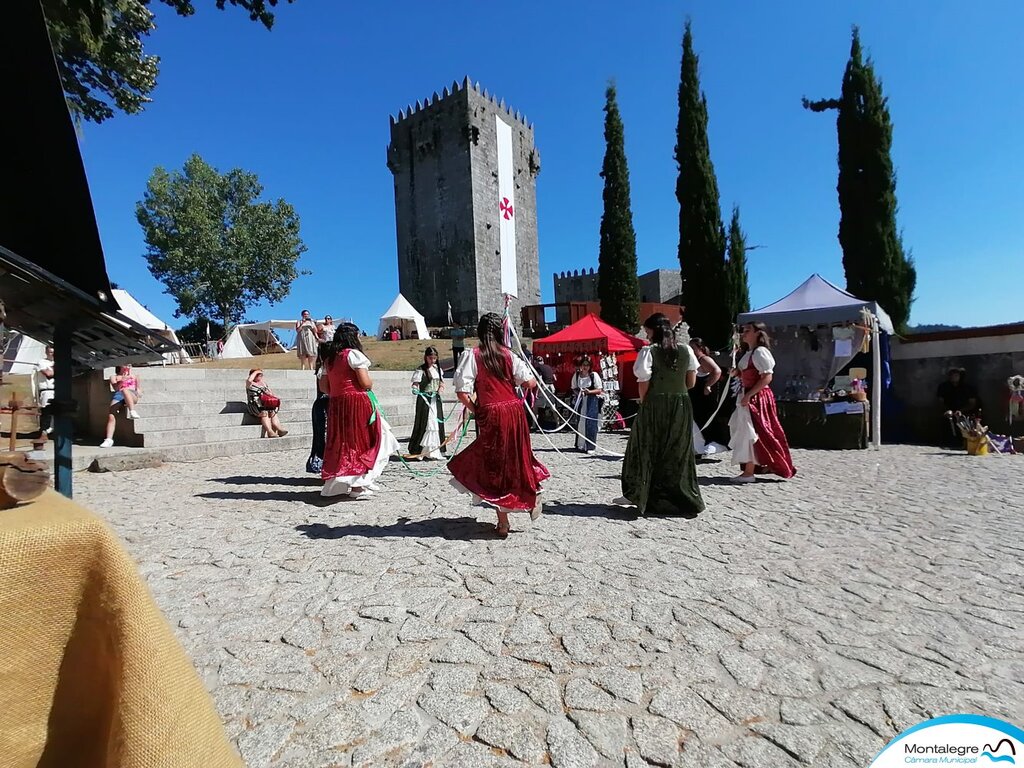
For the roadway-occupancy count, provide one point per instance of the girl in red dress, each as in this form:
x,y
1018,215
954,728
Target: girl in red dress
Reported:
x,y
757,436
499,466
359,440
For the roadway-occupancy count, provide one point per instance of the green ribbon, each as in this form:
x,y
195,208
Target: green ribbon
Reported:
x,y
374,404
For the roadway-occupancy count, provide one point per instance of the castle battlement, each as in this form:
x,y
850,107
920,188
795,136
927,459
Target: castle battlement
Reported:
x,y
460,91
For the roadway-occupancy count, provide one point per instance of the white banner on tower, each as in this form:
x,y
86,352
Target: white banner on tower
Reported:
x,y
506,210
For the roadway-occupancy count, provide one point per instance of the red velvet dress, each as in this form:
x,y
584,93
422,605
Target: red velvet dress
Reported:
x,y
771,448
499,466
356,451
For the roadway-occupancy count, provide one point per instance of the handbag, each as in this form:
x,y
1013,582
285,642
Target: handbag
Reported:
x,y
269,401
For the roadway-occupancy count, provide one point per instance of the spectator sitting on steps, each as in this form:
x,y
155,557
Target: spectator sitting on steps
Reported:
x,y
127,392
263,404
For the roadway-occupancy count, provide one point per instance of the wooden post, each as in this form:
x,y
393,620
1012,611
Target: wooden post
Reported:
x,y
63,427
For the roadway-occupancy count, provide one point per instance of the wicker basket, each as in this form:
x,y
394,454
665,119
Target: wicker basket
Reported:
x,y
859,397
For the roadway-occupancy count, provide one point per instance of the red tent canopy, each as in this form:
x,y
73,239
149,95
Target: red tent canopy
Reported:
x,y
589,334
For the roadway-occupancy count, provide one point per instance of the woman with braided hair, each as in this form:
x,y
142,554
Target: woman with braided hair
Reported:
x,y
359,440
499,467
659,473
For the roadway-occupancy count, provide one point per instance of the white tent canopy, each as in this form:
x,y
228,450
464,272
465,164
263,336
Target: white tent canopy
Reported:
x,y
817,302
22,354
403,315
249,339
131,309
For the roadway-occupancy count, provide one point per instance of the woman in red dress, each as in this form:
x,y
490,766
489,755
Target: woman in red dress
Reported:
x,y
757,436
499,467
359,440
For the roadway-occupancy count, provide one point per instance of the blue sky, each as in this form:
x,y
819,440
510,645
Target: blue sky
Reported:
x,y
306,107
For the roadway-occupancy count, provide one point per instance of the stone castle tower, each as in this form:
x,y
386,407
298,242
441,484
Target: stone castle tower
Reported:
x,y
465,170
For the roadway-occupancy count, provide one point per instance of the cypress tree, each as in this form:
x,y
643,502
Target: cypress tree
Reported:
x,y
617,286
876,266
739,288
701,234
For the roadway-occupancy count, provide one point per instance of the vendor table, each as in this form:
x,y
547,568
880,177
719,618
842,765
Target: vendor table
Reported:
x,y
814,424
90,672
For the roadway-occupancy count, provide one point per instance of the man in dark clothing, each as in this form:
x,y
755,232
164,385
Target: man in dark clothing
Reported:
x,y
546,372
956,395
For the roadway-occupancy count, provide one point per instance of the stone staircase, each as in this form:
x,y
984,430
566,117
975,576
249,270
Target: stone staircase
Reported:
x,y
193,414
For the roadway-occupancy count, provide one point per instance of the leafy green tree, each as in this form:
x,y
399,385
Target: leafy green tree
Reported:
x,y
617,286
195,331
876,266
213,244
99,45
706,292
736,268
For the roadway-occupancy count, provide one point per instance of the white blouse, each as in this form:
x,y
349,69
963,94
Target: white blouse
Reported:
x,y
763,360
582,382
465,374
357,359
643,368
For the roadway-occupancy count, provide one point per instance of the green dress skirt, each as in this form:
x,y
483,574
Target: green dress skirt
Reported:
x,y
659,473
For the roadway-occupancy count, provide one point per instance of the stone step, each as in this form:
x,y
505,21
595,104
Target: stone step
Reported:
x,y
178,391
189,373
211,408
166,431
191,419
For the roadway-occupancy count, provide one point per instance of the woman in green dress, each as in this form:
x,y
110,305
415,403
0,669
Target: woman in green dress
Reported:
x,y
659,473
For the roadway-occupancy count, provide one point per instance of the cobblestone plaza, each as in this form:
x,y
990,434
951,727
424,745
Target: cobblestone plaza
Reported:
x,y
793,623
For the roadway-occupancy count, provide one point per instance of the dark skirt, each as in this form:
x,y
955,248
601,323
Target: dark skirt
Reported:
x,y
587,424
424,413
315,462
659,473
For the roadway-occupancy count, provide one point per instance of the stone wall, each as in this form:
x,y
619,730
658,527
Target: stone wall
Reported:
x,y
919,365
660,286
443,155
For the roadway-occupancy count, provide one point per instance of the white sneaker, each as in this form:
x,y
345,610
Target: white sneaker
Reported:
x,y
108,443
133,414
363,493
622,501
535,512
743,479
373,487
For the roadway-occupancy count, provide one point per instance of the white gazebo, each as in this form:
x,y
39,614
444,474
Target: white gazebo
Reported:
x,y
402,314
818,302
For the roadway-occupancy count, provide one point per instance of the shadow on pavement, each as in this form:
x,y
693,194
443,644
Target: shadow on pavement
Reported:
x,y
463,528
311,496
250,480
592,510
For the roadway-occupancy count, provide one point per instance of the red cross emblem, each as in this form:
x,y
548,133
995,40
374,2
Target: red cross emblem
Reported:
x,y
506,208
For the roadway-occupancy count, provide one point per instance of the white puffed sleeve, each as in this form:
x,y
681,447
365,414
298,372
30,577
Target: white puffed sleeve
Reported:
x,y
692,363
357,359
763,360
465,374
644,365
417,376
520,370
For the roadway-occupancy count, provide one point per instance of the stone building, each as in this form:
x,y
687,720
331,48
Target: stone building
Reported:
x,y
465,169
659,286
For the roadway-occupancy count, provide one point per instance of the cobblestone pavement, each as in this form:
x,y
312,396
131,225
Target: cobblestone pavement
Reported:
x,y
801,622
